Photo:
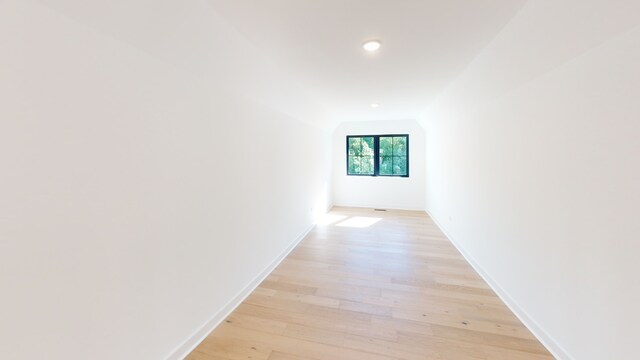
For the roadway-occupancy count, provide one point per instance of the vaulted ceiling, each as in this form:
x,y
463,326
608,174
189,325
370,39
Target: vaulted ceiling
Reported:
x,y
425,45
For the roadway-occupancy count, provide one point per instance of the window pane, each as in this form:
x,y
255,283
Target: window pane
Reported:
x,y
367,165
351,166
360,165
364,167
367,146
386,146
386,165
400,146
355,146
400,165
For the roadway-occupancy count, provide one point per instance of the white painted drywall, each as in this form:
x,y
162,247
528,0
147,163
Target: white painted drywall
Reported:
x,y
153,164
426,43
533,169
383,192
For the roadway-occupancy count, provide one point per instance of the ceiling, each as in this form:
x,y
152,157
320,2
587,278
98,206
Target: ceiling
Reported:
x,y
425,45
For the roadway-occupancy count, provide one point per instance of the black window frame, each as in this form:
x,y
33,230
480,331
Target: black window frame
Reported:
x,y
376,154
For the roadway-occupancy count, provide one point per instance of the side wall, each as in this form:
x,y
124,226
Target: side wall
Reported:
x,y
385,192
533,170
148,175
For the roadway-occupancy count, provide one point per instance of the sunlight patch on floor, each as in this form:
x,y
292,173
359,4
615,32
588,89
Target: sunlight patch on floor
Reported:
x,y
359,222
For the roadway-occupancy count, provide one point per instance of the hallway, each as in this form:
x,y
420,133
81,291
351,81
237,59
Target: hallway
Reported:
x,y
368,284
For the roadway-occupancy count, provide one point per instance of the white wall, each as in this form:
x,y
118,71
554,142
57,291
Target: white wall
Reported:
x,y
380,192
533,169
153,164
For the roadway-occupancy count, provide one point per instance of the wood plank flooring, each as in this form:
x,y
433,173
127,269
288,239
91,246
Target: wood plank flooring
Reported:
x,y
372,285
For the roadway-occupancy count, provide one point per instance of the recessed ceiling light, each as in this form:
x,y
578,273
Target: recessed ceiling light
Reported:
x,y
372,45
375,105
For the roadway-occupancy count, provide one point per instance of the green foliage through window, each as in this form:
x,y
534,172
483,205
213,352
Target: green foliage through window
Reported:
x,y
393,155
378,155
360,157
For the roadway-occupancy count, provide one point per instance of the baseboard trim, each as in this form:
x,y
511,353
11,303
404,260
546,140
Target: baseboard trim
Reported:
x,y
378,206
553,346
196,338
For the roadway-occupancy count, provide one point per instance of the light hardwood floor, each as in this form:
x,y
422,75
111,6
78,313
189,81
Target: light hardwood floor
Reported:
x,y
396,289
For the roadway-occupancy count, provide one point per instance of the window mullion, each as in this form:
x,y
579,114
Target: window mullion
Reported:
x,y
376,155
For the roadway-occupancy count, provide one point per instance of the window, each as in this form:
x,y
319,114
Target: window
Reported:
x,y
360,155
378,155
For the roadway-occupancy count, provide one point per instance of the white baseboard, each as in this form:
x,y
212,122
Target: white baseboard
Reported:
x,y
196,338
378,206
553,346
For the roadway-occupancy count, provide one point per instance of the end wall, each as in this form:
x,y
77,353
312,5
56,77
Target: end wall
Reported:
x,y
385,192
